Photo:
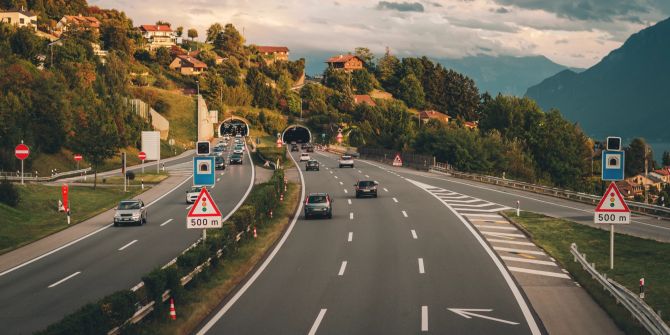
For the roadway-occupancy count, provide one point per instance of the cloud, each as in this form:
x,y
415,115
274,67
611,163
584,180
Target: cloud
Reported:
x,y
595,10
501,10
562,41
400,6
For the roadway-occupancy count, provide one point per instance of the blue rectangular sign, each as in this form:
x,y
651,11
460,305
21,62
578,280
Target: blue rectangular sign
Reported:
x,y
613,163
204,172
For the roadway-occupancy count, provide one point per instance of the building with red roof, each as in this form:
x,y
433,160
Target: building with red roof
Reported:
x,y
428,115
364,99
188,65
78,21
273,54
158,36
347,63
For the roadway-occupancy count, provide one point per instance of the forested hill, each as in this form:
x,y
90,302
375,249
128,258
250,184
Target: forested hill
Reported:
x,y
625,94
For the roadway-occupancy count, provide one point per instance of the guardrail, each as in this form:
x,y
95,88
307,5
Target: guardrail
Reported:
x,y
12,176
550,191
636,306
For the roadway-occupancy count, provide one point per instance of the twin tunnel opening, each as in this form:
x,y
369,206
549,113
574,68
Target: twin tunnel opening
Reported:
x,y
293,133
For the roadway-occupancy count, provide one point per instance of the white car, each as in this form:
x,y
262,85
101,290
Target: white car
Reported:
x,y
304,157
346,160
192,194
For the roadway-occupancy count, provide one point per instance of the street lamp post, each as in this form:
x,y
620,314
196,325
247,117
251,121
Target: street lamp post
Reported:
x,y
197,83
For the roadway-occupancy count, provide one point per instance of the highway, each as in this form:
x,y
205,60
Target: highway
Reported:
x,y
403,263
36,294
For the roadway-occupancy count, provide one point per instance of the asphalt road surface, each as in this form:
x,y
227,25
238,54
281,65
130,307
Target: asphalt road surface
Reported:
x,y
42,292
403,263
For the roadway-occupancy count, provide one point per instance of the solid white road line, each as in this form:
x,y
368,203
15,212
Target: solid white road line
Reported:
x,y
351,236
64,279
480,215
127,245
414,234
345,191
526,260
486,203
421,268
494,227
189,206
317,322
404,213
385,190
351,215
349,201
523,251
492,210
166,222
538,272
424,318
342,268
456,202
509,242
395,200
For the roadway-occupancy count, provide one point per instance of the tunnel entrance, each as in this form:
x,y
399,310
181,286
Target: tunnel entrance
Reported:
x,y
233,126
297,134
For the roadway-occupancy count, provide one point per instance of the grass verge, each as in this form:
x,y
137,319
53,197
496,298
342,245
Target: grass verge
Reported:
x,y
37,214
634,258
199,302
147,177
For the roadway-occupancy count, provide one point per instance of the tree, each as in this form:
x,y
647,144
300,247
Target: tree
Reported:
x,y
366,56
635,157
163,23
666,158
180,31
411,92
230,41
213,32
192,34
114,37
363,81
163,56
25,43
336,79
96,139
387,68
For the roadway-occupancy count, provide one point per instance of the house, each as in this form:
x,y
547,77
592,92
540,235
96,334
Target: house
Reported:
x,y
79,21
364,99
20,18
188,65
97,50
647,181
426,116
470,124
663,174
273,54
158,36
347,63
628,189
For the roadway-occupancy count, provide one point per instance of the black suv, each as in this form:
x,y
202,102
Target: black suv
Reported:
x,y
312,165
366,188
318,204
310,148
220,163
294,147
235,159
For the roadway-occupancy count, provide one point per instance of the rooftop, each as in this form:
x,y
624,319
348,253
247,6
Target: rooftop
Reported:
x,y
271,49
151,27
341,58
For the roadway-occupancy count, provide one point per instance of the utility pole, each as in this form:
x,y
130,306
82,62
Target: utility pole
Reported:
x,y
646,172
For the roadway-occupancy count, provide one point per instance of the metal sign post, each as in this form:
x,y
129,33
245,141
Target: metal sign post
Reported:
x,y
612,209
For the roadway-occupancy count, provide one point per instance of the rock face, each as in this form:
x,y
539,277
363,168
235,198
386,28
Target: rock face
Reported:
x,y
626,94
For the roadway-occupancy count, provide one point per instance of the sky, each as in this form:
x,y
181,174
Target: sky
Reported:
x,y
575,33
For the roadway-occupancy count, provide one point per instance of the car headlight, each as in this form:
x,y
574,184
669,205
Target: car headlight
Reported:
x,y
136,216
117,215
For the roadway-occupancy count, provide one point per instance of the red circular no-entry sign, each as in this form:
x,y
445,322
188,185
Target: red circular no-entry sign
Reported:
x,y
141,155
77,157
21,152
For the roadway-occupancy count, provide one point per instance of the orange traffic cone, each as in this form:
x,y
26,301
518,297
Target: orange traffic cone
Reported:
x,y
173,313
255,235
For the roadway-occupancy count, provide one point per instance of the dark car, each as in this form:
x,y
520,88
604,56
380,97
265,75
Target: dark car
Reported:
x,y
130,211
236,159
219,163
304,146
294,147
318,204
312,165
310,148
366,188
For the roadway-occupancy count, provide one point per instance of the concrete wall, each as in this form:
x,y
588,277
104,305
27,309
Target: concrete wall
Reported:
x,y
205,124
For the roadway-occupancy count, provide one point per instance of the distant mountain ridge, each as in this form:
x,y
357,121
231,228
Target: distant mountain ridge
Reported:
x,y
625,94
505,74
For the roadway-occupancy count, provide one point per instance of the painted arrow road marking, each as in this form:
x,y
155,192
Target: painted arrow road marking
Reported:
x,y
468,314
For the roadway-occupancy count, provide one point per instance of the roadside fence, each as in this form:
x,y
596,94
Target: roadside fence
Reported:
x,y
14,176
416,161
631,301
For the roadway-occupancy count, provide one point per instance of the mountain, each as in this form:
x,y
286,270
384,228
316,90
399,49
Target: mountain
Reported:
x,y
504,74
625,94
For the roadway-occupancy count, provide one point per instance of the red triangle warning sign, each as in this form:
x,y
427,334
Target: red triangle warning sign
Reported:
x,y
204,206
397,161
612,201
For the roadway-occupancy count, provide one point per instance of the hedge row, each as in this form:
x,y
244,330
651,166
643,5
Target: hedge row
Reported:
x,y
272,153
113,310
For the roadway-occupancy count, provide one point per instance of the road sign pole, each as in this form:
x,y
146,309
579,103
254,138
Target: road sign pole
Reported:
x,y
204,236
611,247
124,172
22,172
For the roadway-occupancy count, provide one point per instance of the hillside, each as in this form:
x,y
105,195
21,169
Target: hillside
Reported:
x,y
505,74
625,94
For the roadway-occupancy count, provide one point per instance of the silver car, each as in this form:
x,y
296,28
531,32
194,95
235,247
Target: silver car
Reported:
x,y
130,211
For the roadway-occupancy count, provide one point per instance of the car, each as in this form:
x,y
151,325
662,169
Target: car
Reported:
x,y
310,148
236,158
226,137
312,165
304,146
219,163
218,151
352,154
192,194
366,188
238,150
346,160
318,204
304,157
130,211
294,147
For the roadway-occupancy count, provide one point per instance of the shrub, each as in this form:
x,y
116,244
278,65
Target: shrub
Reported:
x,y
9,195
130,175
118,307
